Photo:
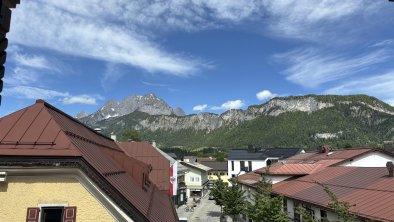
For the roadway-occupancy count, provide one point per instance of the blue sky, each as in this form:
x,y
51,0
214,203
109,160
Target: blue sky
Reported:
x,y
200,55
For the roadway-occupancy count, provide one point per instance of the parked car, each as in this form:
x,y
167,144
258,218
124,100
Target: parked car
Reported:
x,y
182,219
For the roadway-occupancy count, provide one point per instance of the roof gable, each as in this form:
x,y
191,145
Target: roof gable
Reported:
x,y
42,130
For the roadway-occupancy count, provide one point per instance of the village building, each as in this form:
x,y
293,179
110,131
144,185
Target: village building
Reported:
x,y
196,179
367,190
301,165
218,169
241,161
53,166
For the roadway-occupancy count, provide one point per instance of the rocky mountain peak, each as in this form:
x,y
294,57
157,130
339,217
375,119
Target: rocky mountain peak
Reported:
x,y
149,103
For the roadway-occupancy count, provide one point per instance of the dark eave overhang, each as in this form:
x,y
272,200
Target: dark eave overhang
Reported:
x,y
76,163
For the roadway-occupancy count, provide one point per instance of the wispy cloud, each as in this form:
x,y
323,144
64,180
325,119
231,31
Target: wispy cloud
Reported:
x,y
378,85
315,20
29,92
200,108
96,37
154,84
21,76
80,99
312,67
265,94
232,104
33,61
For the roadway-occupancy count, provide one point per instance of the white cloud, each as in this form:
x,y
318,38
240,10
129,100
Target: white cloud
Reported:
x,y
316,20
200,108
265,94
380,86
311,68
21,76
154,84
235,104
29,92
33,61
81,99
94,37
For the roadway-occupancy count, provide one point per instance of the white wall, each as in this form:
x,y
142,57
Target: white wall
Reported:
x,y
375,159
193,173
256,164
275,179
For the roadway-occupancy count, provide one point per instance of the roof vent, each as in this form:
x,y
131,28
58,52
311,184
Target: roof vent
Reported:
x,y
97,130
390,168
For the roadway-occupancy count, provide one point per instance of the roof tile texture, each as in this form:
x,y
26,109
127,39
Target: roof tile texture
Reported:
x,y
42,130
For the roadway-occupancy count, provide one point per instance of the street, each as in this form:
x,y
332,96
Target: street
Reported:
x,y
207,210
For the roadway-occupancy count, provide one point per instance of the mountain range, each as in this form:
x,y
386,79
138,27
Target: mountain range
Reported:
x,y
296,121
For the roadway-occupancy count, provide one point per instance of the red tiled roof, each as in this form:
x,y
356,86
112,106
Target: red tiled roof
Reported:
x,y
250,178
41,130
308,163
145,152
313,157
290,169
368,190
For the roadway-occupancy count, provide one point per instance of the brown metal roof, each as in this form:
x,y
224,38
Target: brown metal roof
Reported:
x,y
368,190
290,169
145,152
41,130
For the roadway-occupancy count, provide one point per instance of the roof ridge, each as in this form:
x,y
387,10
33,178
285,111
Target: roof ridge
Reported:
x,y
70,117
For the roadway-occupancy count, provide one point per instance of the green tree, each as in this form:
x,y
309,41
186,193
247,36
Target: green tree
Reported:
x,y
130,134
218,190
263,207
339,207
233,200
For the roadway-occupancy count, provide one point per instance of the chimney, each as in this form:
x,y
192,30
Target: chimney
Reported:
x,y
324,149
113,136
390,168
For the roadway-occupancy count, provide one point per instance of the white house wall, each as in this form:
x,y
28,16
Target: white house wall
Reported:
x,y
276,179
256,164
375,159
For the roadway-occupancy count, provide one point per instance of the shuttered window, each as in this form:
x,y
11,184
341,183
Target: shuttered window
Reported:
x,y
69,214
33,214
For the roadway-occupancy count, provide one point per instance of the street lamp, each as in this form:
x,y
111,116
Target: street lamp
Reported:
x,y
5,20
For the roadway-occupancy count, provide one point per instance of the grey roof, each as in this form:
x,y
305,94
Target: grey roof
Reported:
x,y
173,155
262,153
216,165
197,166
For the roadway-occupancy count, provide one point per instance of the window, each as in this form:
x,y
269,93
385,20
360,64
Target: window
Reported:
x,y
209,173
285,205
309,210
250,165
297,216
271,161
323,215
197,179
191,179
242,165
232,165
51,214
232,175
221,173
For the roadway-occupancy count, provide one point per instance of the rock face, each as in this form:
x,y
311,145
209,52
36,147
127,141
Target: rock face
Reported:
x,y
162,116
149,104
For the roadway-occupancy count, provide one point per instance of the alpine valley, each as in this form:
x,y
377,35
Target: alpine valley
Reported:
x,y
295,121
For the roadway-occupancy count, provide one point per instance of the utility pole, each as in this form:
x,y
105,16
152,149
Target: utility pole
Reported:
x,y
5,20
